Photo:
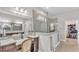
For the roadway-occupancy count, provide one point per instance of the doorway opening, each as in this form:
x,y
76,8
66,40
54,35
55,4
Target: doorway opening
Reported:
x,y
71,30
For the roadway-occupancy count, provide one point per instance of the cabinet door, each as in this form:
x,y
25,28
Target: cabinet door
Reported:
x,y
44,43
1,49
54,41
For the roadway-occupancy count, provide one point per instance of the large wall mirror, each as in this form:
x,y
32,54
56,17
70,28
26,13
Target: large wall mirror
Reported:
x,y
10,26
39,21
17,26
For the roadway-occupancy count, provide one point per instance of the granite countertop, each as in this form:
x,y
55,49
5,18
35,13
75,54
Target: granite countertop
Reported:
x,y
6,42
13,31
10,41
18,42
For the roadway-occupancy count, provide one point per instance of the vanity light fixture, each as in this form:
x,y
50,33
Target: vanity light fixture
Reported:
x,y
41,18
25,11
5,21
47,7
17,8
19,22
21,11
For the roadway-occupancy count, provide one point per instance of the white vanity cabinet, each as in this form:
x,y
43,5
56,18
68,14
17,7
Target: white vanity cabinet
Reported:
x,y
44,43
48,42
55,40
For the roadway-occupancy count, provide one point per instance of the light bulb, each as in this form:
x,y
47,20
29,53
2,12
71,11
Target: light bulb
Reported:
x,y
25,11
47,7
17,8
21,10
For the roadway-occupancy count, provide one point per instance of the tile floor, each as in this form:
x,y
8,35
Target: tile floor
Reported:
x,y
70,45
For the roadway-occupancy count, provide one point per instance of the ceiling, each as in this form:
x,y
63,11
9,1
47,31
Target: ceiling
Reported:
x,y
61,10
12,11
53,11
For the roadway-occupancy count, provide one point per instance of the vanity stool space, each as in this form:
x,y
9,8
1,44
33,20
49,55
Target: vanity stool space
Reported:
x,y
35,43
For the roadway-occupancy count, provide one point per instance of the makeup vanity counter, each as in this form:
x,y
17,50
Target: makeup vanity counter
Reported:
x,y
10,41
13,45
10,44
7,42
19,42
